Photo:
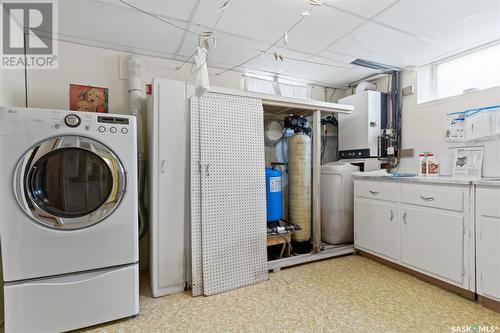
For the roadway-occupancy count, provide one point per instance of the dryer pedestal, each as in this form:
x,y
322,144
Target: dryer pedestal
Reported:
x,y
72,301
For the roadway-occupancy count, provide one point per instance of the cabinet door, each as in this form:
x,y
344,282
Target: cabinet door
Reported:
x,y
488,248
432,240
167,129
376,228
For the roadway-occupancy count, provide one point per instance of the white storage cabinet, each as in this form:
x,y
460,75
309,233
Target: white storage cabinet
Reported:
x,y
488,241
422,226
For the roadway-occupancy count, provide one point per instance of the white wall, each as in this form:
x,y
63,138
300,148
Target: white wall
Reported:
x,y
12,87
425,125
104,68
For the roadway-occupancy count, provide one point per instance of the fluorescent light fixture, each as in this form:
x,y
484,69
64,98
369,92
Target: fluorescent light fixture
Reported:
x,y
374,65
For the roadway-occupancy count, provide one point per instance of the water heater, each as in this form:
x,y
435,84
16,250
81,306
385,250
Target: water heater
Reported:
x,y
359,131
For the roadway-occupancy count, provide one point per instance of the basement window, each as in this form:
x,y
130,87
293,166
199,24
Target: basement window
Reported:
x,y
474,70
276,86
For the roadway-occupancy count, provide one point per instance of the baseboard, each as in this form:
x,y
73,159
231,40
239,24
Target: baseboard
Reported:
x,y
489,303
444,285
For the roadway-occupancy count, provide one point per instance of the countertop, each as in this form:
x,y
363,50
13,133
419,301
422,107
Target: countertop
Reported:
x,y
428,179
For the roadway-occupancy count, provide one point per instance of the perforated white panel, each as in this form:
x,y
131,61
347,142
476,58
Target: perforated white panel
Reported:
x,y
233,192
196,264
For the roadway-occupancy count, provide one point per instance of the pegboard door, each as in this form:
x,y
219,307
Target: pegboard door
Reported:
x,y
196,259
233,207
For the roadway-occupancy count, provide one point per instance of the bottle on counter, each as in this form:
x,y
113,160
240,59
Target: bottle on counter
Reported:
x,y
432,165
422,165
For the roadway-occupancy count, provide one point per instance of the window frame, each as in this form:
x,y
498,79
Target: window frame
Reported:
x,y
433,74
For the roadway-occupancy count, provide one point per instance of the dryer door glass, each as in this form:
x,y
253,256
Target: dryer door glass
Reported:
x,y
70,182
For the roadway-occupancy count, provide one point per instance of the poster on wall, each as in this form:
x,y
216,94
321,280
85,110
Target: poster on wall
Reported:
x,y
88,98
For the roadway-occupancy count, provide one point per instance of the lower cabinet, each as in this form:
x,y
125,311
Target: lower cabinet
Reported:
x,y
433,241
377,228
425,227
488,242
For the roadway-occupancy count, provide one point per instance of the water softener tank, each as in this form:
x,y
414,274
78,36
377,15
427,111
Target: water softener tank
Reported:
x,y
273,195
299,190
337,202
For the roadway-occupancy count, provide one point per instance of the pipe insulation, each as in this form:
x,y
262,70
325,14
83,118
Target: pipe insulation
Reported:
x,y
136,102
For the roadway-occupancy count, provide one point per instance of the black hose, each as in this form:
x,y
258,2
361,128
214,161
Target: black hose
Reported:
x,y
143,216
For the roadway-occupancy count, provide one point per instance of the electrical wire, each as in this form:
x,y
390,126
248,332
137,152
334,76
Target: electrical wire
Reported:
x,y
307,61
25,69
268,48
223,9
324,141
158,17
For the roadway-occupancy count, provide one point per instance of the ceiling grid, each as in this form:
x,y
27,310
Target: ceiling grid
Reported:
x,y
386,31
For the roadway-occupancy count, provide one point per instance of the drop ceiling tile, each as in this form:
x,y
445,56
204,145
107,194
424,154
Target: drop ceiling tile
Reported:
x,y
447,23
350,75
321,28
378,43
366,8
117,26
229,49
178,9
335,57
262,20
267,62
320,71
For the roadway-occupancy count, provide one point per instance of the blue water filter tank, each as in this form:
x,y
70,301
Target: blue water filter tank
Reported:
x,y
273,195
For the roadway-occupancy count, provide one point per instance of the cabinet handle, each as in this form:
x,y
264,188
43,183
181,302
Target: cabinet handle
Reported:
x,y
392,215
373,192
427,198
162,166
404,218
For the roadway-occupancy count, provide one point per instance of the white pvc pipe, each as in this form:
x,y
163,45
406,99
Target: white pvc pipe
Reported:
x,y
135,102
135,97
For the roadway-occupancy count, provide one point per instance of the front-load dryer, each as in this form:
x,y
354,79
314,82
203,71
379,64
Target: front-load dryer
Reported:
x,y
68,222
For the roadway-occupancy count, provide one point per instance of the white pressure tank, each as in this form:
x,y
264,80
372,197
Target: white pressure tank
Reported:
x,y
337,203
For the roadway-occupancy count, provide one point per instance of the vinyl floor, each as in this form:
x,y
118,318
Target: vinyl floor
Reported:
x,y
346,294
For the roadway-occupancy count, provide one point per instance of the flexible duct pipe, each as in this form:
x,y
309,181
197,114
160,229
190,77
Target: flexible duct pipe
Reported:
x,y
362,86
135,101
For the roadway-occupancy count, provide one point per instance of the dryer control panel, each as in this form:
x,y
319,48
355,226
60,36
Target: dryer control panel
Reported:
x,y
113,124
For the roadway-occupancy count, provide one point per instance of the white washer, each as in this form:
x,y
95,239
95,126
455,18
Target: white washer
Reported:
x,y
68,222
